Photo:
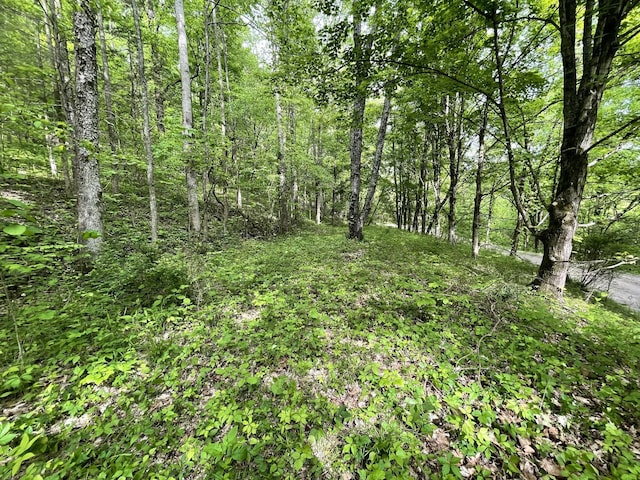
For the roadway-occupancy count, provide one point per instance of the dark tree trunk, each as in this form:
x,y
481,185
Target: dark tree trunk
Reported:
x,y
357,119
517,230
454,143
581,99
88,172
434,224
477,203
283,195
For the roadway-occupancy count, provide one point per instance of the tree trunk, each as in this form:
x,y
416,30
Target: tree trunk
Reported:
x,y
454,143
65,90
51,139
111,118
357,119
434,223
581,100
187,121
223,118
377,160
475,233
156,69
283,197
88,178
146,127
492,196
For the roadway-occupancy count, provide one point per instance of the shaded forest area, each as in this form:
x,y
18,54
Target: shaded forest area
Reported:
x,y
248,239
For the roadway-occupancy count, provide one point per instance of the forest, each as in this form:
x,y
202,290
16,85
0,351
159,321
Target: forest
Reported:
x,y
279,239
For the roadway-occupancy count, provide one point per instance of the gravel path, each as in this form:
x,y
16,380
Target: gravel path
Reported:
x,y
624,287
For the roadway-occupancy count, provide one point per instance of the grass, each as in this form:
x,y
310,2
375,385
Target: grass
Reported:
x,y
311,356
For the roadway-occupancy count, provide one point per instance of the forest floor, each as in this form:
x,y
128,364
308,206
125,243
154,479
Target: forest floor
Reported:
x,y
307,356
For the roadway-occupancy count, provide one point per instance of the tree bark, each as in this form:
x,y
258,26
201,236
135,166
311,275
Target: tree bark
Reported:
x,y
454,143
218,34
187,121
377,160
581,100
61,62
477,203
434,223
146,127
283,196
88,174
517,230
157,69
357,119
108,103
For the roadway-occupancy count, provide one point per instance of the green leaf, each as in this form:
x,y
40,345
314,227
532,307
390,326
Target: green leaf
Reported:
x,y
17,203
14,229
5,436
46,315
90,234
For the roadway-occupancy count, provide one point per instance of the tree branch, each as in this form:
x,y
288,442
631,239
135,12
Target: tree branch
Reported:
x,y
634,120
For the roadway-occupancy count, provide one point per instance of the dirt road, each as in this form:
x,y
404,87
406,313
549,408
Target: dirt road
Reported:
x,y
624,287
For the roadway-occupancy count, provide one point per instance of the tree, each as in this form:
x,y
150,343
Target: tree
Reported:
x,y
146,126
361,46
582,96
475,230
377,160
88,173
108,102
187,121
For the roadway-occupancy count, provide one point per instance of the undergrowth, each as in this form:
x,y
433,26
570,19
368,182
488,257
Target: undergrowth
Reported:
x,y
311,356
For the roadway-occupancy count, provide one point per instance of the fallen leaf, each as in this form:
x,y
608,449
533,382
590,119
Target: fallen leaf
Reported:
x,y
551,467
527,470
441,438
525,443
467,472
553,432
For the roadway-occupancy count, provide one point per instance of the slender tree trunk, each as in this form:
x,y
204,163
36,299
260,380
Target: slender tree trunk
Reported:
x,y
477,204
377,160
283,196
108,103
294,186
223,117
489,217
50,137
187,121
204,107
434,224
146,127
517,231
61,61
424,186
88,179
454,143
157,68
